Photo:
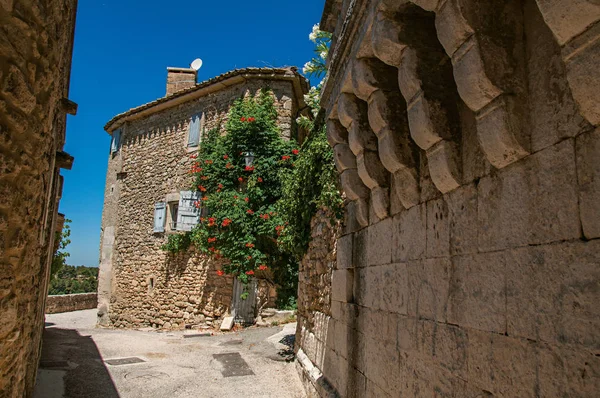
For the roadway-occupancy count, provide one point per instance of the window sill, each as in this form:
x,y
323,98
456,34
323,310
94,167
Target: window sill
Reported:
x,y
190,149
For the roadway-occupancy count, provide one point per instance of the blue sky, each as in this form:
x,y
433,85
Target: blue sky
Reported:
x,y
122,50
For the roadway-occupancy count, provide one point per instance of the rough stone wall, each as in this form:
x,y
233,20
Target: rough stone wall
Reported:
x,y
479,278
314,296
36,40
140,285
71,302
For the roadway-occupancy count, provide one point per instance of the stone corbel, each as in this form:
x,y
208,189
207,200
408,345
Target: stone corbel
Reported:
x,y
363,143
489,81
345,162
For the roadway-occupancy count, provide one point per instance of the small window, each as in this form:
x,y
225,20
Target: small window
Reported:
x,y
194,130
173,208
116,141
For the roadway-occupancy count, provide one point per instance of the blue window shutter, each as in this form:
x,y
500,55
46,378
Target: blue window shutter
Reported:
x,y
187,213
116,140
160,211
194,133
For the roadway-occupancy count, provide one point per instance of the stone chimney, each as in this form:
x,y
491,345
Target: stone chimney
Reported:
x,y
179,79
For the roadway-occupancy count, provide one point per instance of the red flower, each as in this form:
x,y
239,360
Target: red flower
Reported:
x,y
208,161
235,196
226,222
204,178
211,220
249,244
203,189
247,199
205,198
211,240
262,267
250,272
225,157
285,157
295,151
250,211
212,249
228,166
220,273
202,219
240,179
194,156
251,119
264,216
220,185
249,168
249,257
259,179
243,119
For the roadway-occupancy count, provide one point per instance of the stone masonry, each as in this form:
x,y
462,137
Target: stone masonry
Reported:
x,y
140,285
467,137
36,41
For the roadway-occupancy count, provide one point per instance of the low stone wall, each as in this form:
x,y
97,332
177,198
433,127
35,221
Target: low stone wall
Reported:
x,y
71,302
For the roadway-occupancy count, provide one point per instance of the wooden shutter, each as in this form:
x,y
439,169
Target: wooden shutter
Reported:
x,y
116,140
187,213
194,133
160,211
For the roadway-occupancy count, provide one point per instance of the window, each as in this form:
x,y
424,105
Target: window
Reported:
x,y
116,141
194,130
187,213
159,216
173,207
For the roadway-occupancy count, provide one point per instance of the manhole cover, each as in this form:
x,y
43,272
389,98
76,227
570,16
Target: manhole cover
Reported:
x,y
233,364
124,361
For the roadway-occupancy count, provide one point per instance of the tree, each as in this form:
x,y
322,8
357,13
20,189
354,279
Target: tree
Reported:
x,y
59,260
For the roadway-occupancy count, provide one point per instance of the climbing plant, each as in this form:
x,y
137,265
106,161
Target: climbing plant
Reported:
x,y
239,175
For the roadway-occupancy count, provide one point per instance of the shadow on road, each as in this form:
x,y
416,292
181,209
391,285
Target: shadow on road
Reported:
x,y
68,351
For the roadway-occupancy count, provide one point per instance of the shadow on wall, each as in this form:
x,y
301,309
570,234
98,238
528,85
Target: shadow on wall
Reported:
x,y
68,353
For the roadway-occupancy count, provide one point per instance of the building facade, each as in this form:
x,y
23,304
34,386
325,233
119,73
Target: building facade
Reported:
x,y
466,137
36,43
148,197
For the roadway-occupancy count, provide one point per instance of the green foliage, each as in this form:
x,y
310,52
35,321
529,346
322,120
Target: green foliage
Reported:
x,y
177,243
313,184
317,65
240,222
59,260
70,279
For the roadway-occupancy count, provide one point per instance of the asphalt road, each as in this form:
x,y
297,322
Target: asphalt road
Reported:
x,y
81,361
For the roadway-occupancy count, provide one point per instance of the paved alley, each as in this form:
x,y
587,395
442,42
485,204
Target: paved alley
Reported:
x,y
80,360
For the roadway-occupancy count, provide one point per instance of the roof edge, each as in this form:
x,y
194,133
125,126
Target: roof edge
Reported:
x,y
299,83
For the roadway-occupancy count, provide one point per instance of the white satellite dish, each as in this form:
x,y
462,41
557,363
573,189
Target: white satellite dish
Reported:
x,y
196,64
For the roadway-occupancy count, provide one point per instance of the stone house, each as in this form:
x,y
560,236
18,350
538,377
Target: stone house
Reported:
x,y
148,197
36,44
466,134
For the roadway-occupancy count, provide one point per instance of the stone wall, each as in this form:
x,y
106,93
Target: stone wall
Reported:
x,y
71,302
141,285
469,150
36,40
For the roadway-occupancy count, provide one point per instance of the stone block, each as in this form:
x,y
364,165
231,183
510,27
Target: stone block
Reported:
x,y
445,344
438,229
567,372
367,286
478,292
582,56
533,201
379,246
342,282
394,295
553,293
409,234
335,369
382,363
344,249
588,177
428,287
513,367
568,18
462,212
